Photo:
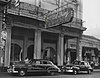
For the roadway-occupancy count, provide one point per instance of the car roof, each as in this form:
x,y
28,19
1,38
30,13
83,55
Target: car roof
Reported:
x,y
81,61
39,60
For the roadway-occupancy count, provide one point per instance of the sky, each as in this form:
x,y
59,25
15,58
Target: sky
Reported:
x,y
91,17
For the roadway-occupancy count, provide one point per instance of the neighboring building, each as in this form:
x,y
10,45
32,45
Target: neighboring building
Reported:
x,y
89,49
25,33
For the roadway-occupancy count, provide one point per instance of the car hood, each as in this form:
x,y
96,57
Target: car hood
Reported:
x,y
69,65
17,63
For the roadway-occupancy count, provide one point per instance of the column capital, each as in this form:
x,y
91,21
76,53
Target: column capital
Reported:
x,y
61,34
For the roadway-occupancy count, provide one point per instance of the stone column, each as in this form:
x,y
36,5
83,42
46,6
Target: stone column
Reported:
x,y
8,47
42,51
68,58
37,46
80,51
60,49
65,50
25,46
77,49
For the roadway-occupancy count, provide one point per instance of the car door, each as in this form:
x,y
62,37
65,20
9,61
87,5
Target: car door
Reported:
x,y
30,67
38,67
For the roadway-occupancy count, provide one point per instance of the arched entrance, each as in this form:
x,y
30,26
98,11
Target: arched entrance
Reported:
x,y
15,52
30,52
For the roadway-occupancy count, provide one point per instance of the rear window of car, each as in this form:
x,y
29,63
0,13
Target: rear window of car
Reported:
x,y
81,63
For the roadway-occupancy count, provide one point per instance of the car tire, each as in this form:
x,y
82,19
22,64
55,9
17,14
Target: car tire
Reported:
x,y
22,73
89,71
52,73
10,73
75,72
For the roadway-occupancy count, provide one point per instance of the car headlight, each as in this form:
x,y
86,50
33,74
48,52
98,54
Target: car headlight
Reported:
x,y
71,67
8,66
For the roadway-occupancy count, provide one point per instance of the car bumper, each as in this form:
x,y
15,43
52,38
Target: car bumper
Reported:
x,y
59,71
11,71
67,70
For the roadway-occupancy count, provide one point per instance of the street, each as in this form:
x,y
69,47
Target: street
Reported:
x,y
68,75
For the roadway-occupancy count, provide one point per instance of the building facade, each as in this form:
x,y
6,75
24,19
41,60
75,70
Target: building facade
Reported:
x,y
89,49
26,34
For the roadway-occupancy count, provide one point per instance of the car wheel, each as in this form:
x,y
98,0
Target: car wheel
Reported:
x,y
89,71
52,73
10,73
75,72
22,72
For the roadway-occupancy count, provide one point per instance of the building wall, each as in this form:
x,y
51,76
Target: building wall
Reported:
x,y
90,41
20,36
1,53
91,44
90,49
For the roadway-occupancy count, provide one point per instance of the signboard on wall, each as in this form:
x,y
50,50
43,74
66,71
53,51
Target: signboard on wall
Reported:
x,y
59,17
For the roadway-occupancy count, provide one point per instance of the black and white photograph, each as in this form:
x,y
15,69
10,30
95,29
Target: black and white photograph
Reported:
x,y
49,39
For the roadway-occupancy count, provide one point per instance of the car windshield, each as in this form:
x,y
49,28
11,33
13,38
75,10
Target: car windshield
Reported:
x,y
75,62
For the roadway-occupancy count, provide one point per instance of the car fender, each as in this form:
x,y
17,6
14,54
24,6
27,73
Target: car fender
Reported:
x,y
76,68
51,69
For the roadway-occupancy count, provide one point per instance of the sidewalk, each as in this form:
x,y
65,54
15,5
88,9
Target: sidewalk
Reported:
x,y
96,70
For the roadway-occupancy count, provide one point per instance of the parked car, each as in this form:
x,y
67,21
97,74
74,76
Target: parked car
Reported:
x,y
77,66
36,65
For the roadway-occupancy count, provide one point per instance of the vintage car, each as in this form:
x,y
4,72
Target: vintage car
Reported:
x,y
76,67
36,65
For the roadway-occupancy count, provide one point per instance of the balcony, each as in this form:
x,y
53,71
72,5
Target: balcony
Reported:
x,y
27,10
59,16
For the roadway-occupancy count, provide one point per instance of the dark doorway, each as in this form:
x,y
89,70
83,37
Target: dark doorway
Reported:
x,y
15,52
30,52
73,56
